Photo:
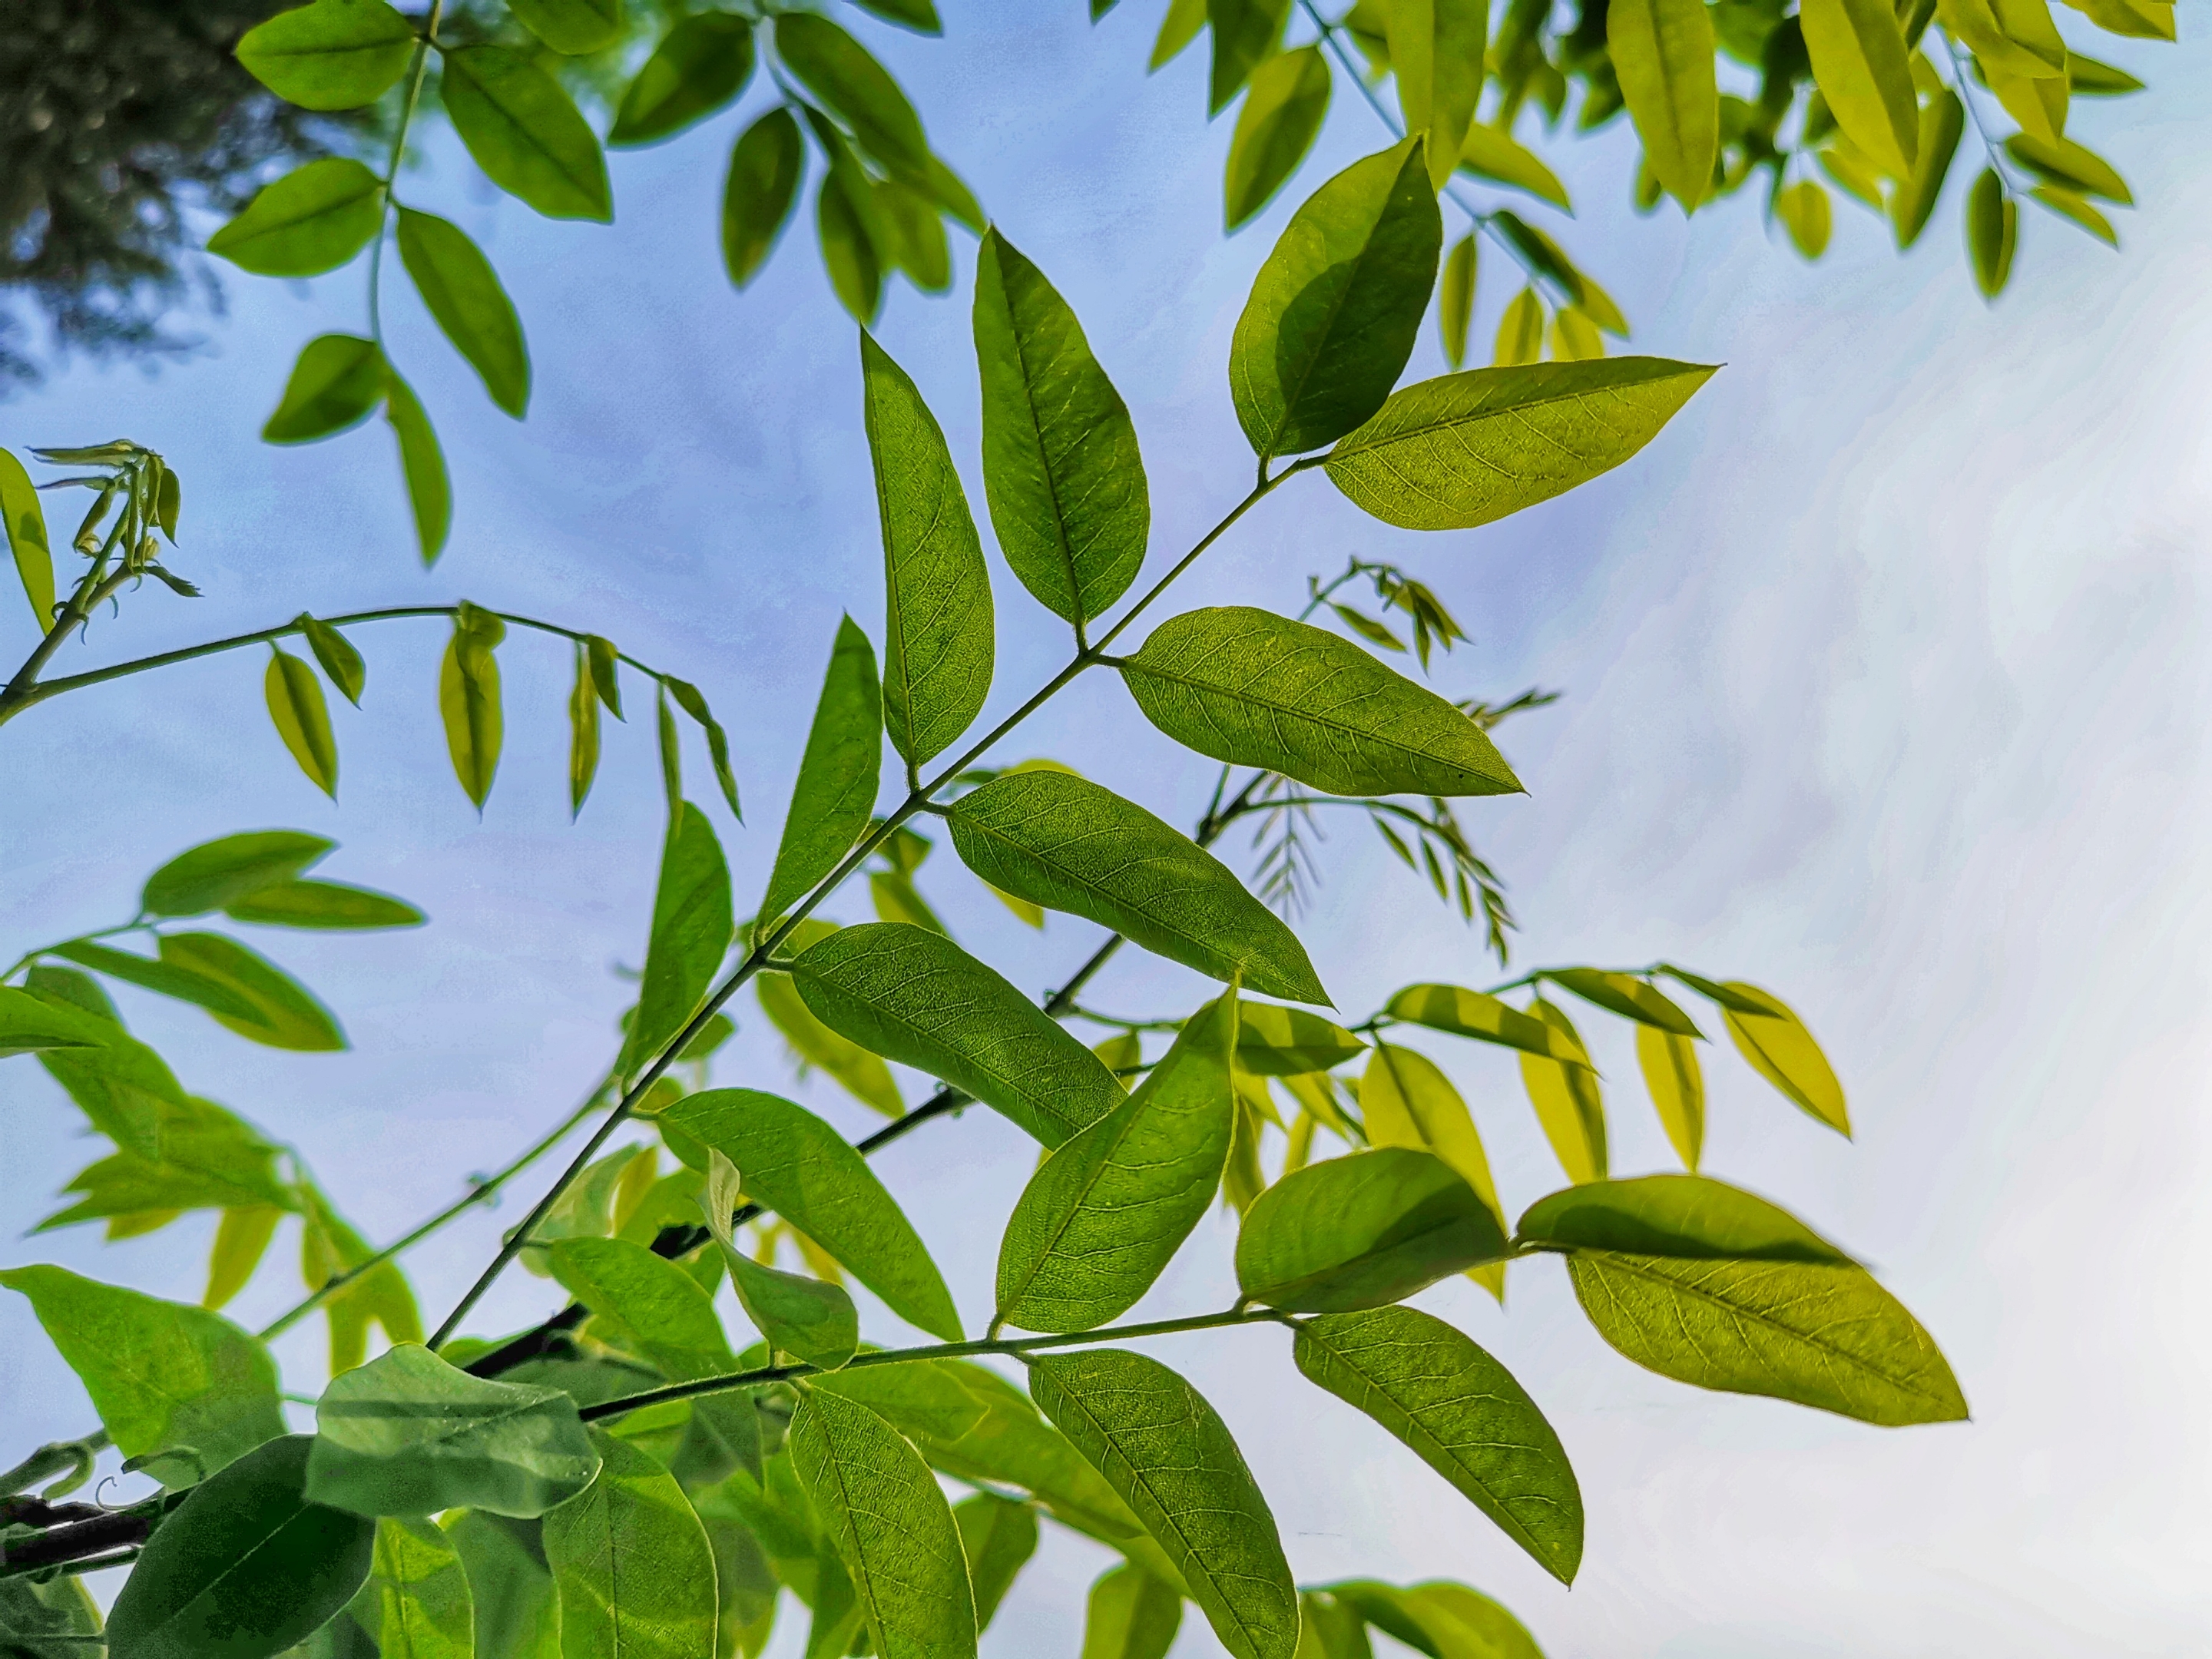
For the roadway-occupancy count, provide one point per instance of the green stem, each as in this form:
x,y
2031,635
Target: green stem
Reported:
x,y
24,689
421,69
1998,162
58,1458
1013,1346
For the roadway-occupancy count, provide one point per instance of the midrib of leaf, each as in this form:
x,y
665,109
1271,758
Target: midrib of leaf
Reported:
x,y
1090,885
1076,1208
865,1584
1452,423
1239,694
1359,264
1044,461
1504,1516
1625,1264
582,185
234,1568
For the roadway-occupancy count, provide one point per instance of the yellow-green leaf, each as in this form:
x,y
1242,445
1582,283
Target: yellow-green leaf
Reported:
x,y
25,522
634,1568
1663,52
1677,1083
1282,115
1456,299
1992,226
1781,1050
1863,69
295,696
1520,332
1914,199
469,702
1492,152
1568,1103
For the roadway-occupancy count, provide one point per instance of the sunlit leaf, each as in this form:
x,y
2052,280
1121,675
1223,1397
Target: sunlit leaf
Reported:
x,y
313,219
1436,56
1683,1216
1273,1041
1568,1102
285,1013
337,384
24,522
1245,35
462,293
760,191
1672,1073
1492,153
634,1570
322,905
700,65
1861,64
1478,1014
419,1591
336,655
860,1073
1131,1615
335,54
842,72
1663,52
1282,115
999,1536
422,465
691,926
837,776
572,26
296,708
469,699
525,132
1626,995
1992,226
518,1613
1362,1231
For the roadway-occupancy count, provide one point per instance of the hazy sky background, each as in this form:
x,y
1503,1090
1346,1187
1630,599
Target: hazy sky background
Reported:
x,y
1886,690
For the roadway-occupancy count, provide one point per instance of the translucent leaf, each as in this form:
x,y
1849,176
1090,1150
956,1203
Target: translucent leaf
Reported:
x,y
1805,213
1992,226
1253,689
245,1566
2074,166
296,708
335,54
848,247
1823,1336
1663,52
1062,472
938,642
999,1536
1781,1050
1462,1412
1677,1083
24,521
1067,844
797,1165
1440,1618
121,1086
1245,35
1492,153
860,1073
336,655
285,1013
163,978
691,929
469,700
381,1296
219,872
1478,1014
1362,1231
1626,995
241,1239
2068,205
462,293
422,465
914,996
1282,115
632,1562
761,190
583,735
313,219
1569,1104
920,15
1337,306
335,385
573,27
1131,1615
1105,1214
717,742
1463,450
840,72
2015,36
835,792
1456,299
180,1388
700,65
1684,1216
650,1304
1273,1041
1941,123
1861,64
1436,50
1184,19
420,1592
1171,1458
525,132
409,1434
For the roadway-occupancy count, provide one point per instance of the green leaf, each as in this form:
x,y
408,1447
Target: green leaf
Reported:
x,y
914,996
1245,35
700,65
1462,1412
835,792
1067,844
999,1536
417,1592
937,654
1992,227
860,1073
1273,1041
1253,689
1362,1231
1171,1458
1942,123
1335,310
884,1512
583,735
469,700
423,464
1131,1615
1805,213
1407,1101
1062,472
762,186
634,1570
607,674
296,708
1184,19
1863,68
2074,166
1520,332
691,928
241,1239
180,1387
164,978
463,292
717,742
328,1246
219,872
797,1165
1683,1216
322,905
809,1318
652,1306
1331,1629
24,521
1282,115
2068,205
121,1086
55,1620
1677,1083
1781,1050
842,221
286,1014
1466,449
210,1158
1447,1620
2091,79
525,132
1825,1336
857,89
1437,54
1492,153
335,385
245,1566
409,1434
1663,52
1104,1215
1477,1014
920,15
313,219
335,54
518,1615
337,655
572,28
1568,1102
1626,995
60,986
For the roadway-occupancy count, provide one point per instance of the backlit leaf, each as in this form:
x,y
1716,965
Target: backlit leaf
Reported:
x,y
1282,115
914,996
632,1562
1677,1083
1456,299
378,1295
409,1434
1520,332
1067,844
1569,1104
245,1566
717,742
241,1239
296,708
1273,1041
419,1592
526,133
322,905
24,522
1663,52
469,700
1942,123
1861,64
163,978
699,66
1245,35
1062,473
518,1615
335,54
999,1536
422,465
1684,1216
572,26
463,292
1171,1458
337,384
1254,688
1336,307
860,1073
1462,1412
1362,1231
811,1319
313,219
843,224
1465,449
1626,995
1992,226
1106,1212
760,191
121,1086
843,73
337,655
1492,153
1436,57
1478,1014
1781,1050
837,776
1130,1615
286,1014
691,926
2074,166
583,735
937,637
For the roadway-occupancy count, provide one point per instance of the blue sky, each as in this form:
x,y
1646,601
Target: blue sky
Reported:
x,y
1885,690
